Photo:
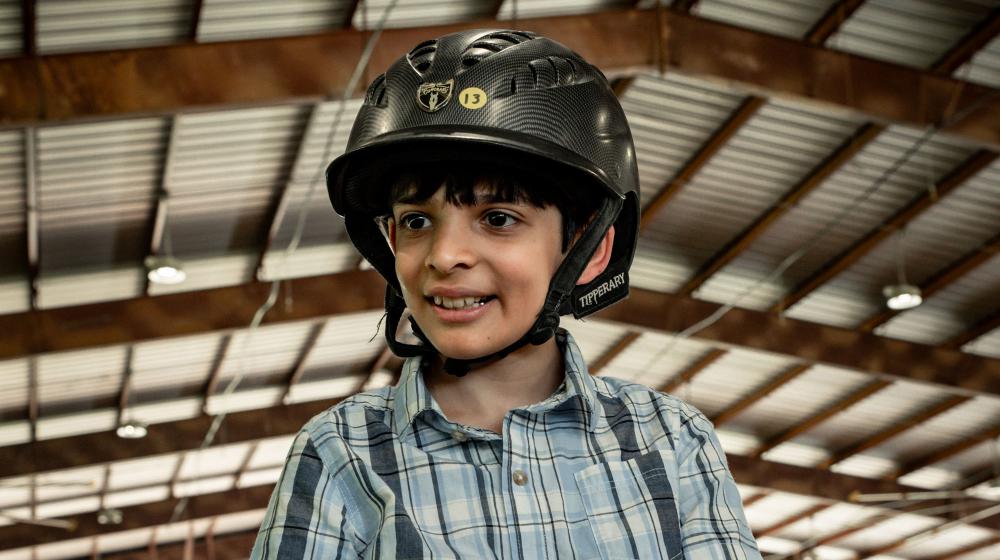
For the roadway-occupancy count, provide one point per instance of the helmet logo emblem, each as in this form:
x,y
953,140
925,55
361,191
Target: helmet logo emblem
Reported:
x,y
432,97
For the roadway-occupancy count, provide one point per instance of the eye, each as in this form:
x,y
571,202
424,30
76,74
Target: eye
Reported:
x,y
498,219
414,221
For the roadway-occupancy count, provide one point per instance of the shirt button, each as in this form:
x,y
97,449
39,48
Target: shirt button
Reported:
x,y
519,477
459,435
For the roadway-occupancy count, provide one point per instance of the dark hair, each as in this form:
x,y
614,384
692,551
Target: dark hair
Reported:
x,y
502,184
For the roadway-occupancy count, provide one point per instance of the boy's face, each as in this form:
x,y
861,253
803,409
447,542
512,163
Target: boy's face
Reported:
x,y
474,276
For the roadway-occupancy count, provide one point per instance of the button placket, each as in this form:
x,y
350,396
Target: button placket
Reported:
x,y
519,477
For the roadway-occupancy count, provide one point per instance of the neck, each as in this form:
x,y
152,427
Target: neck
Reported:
x,y
484,396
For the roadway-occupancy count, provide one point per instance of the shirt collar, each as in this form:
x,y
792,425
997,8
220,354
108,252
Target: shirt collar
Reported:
x,y
413,398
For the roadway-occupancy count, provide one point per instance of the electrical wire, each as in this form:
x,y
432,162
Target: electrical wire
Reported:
x,y
293,245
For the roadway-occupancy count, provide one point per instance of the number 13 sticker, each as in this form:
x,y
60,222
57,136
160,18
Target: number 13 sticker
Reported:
x,y
472,98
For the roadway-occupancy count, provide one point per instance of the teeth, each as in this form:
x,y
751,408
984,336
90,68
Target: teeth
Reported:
x,y
458,303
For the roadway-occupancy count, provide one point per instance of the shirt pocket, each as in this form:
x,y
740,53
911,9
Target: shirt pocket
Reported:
x,y
632,508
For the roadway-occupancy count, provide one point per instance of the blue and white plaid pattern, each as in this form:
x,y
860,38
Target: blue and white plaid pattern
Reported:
x,y
608,469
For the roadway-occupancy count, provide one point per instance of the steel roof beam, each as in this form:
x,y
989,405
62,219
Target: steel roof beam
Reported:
x,y
983,326
745,239
958,176
29,35
747,109
272,71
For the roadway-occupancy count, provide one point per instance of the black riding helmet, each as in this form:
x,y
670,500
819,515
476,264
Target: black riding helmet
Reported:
x,y
503,97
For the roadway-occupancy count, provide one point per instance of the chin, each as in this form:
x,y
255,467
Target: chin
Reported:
x,y
466,347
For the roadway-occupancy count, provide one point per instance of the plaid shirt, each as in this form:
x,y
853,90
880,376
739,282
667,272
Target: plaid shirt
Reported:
x,y
601,469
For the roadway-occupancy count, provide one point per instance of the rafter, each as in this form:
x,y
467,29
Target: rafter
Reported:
x,y
692,370
824,485
222,309
741,242
968,46
279,205
822,416
621,85
231,546
295,375
96,85
759,393
747,109
809,512
32,412
212,381
946,452
944,278
831,21
29,35
959,552
965,170
196,12
125,390
31,217
620,346
981,327
894,430
683,6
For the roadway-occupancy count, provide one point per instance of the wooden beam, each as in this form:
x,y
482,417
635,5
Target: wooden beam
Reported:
x,y
32,412
271,71
865,134
125,391
231,546
959,552
942,279
981,327
352,9
196,10
747,109
810,342
98,448
31,214
822,416
707,359
683,6
831,21
620,346
29,34
894,430
772,476
946,452
621,85
747,502
968,46
212,381
759,393
220,309
965,170
809,512
295,375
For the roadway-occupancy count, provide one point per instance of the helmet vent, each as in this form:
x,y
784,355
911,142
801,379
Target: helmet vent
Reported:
x,y
553,71
422,56
491,44
375,95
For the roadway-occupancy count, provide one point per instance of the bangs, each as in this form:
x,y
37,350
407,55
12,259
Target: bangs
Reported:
x,y
465,186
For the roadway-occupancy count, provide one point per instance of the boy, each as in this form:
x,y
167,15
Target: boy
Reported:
x,y
491,179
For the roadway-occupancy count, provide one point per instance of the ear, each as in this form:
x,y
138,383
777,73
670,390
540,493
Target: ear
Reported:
x,y
600,259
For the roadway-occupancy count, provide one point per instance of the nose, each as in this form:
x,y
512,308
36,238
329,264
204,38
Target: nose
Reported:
x,y
452,247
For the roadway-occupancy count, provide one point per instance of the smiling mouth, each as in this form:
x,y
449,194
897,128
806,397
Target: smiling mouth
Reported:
x,y
470,302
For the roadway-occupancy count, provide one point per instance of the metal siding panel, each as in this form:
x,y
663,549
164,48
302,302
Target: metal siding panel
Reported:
x,y
911,32
72,26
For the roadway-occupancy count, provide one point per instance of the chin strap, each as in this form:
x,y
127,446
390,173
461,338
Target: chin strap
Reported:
x,y
557,302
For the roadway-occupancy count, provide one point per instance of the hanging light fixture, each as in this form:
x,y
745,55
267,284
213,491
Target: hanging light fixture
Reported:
x,y
164,270
902,295
132,430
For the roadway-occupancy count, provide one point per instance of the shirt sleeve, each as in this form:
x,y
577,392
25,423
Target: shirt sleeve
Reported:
x,y
307,516
713,525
